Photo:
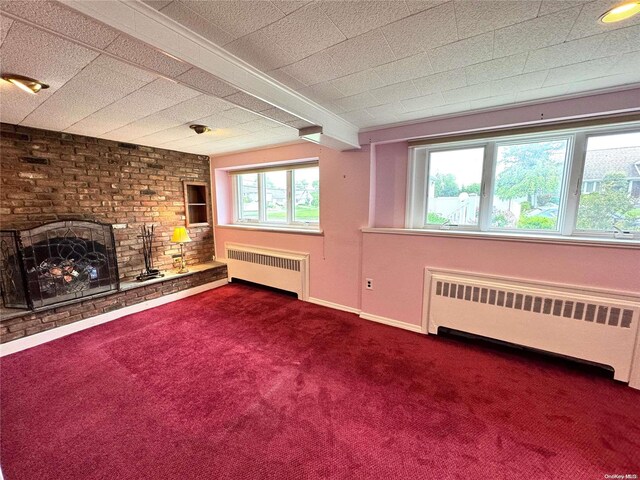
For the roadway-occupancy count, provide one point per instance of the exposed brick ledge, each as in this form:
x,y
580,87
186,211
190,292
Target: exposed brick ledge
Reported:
x,y
24,323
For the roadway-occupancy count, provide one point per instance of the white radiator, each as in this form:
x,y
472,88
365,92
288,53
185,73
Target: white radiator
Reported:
x,y
591,325
274,268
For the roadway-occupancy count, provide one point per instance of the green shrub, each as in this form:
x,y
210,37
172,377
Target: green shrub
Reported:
x,y
536,223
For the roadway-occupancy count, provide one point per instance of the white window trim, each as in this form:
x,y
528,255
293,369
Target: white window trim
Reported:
x,y
261,223
417,180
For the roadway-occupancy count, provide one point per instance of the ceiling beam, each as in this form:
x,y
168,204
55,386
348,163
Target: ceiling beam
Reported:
x,y
146,24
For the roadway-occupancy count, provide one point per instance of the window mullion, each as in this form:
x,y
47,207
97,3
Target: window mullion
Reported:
x,y
576,167
262,199
486,188
289,195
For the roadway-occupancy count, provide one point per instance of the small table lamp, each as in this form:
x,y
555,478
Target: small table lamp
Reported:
x,y
181,236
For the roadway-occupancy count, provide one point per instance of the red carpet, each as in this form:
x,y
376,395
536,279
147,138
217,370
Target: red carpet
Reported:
x,y
241,383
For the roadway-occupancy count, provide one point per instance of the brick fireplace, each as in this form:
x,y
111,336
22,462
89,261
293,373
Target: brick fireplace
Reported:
x,y
54,176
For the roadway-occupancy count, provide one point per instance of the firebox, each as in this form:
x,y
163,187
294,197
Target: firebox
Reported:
x,y
57,262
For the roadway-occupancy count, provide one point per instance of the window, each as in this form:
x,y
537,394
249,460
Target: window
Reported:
x,y
574,182
278,196
614,201
196,203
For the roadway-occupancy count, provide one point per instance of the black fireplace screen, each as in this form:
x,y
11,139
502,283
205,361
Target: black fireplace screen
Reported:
x,y
57,262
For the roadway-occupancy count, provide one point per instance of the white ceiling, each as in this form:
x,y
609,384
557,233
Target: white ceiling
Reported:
x,y
371,62
381,62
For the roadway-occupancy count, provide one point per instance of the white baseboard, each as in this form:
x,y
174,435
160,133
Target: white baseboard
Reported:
x,y
55,333
335,306
394,323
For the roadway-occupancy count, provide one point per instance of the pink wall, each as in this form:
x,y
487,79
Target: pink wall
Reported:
x,y
344,196
360,189
396,264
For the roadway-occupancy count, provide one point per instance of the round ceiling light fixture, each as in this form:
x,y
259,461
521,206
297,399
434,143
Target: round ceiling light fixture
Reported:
x,y
29,85
621,12
199,129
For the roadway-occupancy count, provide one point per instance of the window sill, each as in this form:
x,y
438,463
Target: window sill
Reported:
x,y
274,229
511,237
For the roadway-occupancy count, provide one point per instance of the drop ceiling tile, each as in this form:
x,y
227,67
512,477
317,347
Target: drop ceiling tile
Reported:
x,y
451,109
587,23
240,115
407,68
296,124
604,83
396,92
171,90
259,50
86,93
600,67
63,20
248,101
564,54
440,81
357,117
109,63
518,83
49,58
302,33
142,54
466,94
423,31
426,101
460,54
206,82
237,18
157,4
416,6
492,101
5,25
355,18
258,125
360,53
532,34
286,79
541,93
388,109
179,132
620,41
197,107
321,92
627,63
15,104
495,69
474,18
139,128
279,115
357,102
358,82
314,69
552,6
287,7
179,12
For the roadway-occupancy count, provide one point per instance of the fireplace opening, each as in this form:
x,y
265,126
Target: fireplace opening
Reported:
x,y
57,262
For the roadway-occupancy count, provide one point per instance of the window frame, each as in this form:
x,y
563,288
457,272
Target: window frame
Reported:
x,y
570,191
262,220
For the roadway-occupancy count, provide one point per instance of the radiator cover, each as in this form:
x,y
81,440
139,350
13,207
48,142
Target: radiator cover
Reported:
x,y
275,268
578,322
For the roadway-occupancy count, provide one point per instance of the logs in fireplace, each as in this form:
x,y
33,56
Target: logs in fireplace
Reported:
x,y
57,262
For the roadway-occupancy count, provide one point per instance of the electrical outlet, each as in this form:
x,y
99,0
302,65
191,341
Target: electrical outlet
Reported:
x,y
369,283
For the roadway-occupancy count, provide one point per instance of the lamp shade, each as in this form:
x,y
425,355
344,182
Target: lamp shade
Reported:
x,y
180,235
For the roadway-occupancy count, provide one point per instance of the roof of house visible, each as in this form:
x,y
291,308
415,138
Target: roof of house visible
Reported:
x,y
601,162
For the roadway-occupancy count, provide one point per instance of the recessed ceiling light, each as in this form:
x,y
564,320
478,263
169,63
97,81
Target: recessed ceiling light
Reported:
x,y
29,85
200,128
621,12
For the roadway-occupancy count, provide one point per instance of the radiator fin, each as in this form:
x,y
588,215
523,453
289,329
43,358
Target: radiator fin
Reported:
x,y
601,314
262,259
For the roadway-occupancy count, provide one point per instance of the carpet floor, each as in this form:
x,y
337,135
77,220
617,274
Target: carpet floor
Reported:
x,y
244,383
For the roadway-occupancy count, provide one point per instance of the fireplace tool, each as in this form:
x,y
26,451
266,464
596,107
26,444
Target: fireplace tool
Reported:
x,y
147,234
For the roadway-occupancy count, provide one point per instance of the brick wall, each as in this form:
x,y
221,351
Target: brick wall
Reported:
x,y
49,176
36,322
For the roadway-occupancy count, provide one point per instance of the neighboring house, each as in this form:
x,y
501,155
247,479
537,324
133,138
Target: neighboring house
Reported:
x,y
599,163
